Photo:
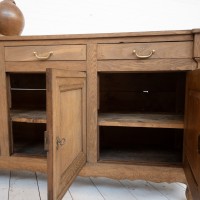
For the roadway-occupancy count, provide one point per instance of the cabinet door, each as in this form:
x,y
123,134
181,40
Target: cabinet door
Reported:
x,y
66,128
192,133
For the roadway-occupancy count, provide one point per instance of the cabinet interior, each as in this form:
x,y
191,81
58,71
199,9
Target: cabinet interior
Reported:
x,y
27,98
141,117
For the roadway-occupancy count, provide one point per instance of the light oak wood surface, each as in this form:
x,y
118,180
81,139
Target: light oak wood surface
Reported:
x,y
28,116
59,52
162,50
141,120
176,52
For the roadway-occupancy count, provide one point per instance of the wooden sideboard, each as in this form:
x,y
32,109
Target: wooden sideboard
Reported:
x,y
121,105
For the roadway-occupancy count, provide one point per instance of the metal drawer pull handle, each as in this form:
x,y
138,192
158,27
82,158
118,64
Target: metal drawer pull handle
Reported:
x,y
59,142
144,57
43,57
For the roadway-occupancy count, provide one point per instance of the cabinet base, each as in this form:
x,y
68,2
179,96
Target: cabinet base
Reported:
x,y
23,163
122,171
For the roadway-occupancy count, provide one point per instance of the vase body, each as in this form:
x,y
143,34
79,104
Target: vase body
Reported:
x,y
11,18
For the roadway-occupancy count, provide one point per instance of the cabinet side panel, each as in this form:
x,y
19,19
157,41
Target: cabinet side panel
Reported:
x,y
4,134
192,132
197,45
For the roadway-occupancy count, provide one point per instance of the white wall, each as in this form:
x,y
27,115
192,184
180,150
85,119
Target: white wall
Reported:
x,y
44,17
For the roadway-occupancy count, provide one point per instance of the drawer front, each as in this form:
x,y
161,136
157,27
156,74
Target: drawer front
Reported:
x,y
34,53
145,50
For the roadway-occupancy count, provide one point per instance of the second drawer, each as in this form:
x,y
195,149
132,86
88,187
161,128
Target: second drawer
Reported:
x,y
145,50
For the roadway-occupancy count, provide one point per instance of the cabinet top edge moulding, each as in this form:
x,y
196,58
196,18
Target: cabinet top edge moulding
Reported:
x,y
101,35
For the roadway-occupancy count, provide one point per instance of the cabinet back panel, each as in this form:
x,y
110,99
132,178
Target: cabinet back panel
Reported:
x,y
28,139
142,92
141,144
28,99
28,91
28,81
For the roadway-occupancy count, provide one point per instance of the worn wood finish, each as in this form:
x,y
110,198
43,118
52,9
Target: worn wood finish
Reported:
x,y
141,120
100,35
39,66
162,50
29,116
23,163
174,52
147,65
59,52
66,110
197,45
4,136
134,172
92,139
192,161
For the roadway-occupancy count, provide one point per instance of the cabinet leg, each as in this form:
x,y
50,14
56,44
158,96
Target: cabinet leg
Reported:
x,y
188,194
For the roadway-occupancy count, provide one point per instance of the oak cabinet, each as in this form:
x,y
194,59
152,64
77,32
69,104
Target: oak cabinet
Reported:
x,y
123,105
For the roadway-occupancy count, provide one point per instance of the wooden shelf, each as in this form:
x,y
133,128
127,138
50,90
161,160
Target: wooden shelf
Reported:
x,y
142,155
28,116
141,120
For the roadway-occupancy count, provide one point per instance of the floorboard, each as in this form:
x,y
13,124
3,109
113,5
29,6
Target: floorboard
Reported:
x,y
142,190
84,189
42,185
171,191
25,185
4,184
112,189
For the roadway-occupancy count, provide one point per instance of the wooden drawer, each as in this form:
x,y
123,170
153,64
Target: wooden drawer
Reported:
x,y
34,53
145,50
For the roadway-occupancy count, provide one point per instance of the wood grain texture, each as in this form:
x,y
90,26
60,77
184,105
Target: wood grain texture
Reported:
x,y
92,104
162,50
66,110
23,163
141,120
4,136
147,65
191,142
197,45
59,52
100,35
134,172
39,66
28,116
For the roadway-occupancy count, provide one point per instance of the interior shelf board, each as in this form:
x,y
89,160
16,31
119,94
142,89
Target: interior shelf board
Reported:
x,y
28,116
141,120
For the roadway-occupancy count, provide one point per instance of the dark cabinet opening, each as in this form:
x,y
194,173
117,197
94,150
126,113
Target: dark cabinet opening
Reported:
x,y
27,102
141,145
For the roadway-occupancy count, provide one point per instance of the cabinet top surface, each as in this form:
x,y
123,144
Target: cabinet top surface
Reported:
x,y
100,35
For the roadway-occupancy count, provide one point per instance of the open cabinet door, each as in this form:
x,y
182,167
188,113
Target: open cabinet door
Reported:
x,y
66,128
192,133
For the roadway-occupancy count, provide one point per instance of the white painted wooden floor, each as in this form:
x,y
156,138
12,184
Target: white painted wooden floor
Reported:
x,y
17,185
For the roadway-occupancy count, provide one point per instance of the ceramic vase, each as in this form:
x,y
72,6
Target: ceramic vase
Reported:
x,y
11,18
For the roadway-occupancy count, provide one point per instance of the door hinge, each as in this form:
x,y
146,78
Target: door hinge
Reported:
x,y
46,141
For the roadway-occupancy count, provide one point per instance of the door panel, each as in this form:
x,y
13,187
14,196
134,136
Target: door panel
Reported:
x,y
192,132
66,126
